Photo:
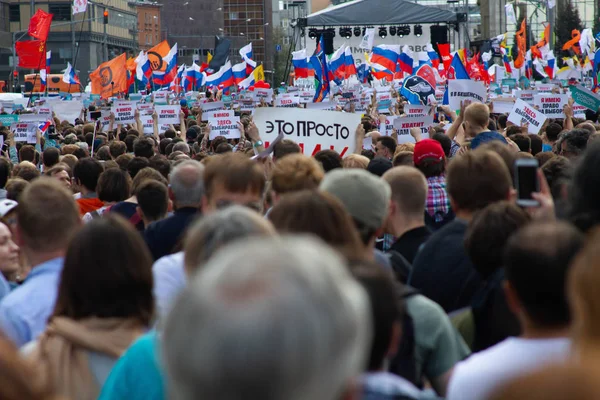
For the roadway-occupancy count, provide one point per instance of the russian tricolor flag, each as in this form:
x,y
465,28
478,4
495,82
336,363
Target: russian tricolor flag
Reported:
x,y
69,76
248,56
177,83
143,71
192,77
223,77
43,127
169,74
337,64
246,83
406,60
551,66
349,62
433,56
239,72
505,60
386,56
44,72
300,63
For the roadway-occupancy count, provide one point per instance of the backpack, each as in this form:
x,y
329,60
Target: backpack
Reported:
x,y
431,223
404,363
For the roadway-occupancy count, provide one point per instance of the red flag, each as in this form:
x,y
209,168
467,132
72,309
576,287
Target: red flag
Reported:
x,y
444,50
39,25
32,54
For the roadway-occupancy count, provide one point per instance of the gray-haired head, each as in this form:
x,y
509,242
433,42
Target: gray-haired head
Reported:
x,y
187,183
214,231
183,147
268,319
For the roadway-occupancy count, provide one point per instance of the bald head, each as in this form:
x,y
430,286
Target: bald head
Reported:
x,y
477,115
187,184
409,189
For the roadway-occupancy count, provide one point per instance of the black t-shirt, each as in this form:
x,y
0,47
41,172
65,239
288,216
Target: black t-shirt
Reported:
x,y
410,242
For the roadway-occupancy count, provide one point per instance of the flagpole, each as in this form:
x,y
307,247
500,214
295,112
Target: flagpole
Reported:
x,y
36,75
77,51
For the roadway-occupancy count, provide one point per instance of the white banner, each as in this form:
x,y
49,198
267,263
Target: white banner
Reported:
x,y
218,114
551,105
386,127
145,108
288,101
368,39
465,89
329,105
525,95
212,106
416,110
404,124
168,115
67,110
502,106
24,131
148,124
266,94
523,113
226,127
313,130
160,97
124,113
306,96
510,14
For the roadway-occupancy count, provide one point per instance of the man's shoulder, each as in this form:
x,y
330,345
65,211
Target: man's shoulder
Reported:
x,y
452,231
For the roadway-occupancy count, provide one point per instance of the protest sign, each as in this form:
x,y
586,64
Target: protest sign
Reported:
x,y
145,108
124,113
8,119
525,95
502,106
160,97
386,127
384,101
545,87
148,124
463,89
523,113
34,118
579,111
313,130
288,101
44,109
510,82
67,110
322,106
266,94
226,127
218,114
306,96
416,110
168,115
404,124
585,97
212,106
135,96
551,105
105,119
24,131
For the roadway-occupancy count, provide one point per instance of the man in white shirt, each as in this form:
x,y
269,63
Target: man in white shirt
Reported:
x,y
536,261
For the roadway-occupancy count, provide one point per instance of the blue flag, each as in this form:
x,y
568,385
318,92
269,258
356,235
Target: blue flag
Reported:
x,y
457,70
319,64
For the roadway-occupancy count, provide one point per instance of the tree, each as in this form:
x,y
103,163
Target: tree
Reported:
x,y
282,59
567,20
597,18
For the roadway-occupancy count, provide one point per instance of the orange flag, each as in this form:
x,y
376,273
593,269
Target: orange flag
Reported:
x,y
110,77
521,44
536,48
573,44
156,55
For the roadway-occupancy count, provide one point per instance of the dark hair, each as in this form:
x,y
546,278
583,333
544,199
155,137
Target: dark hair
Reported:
x,y
89,138
523,141
491,125
544,157
123,161
223,148
513,130
537,144
370,154
87,171
386,310
15,187
502,121
5,171
102,154
27,153
153,199
576,141
80,153
116,149
129,141
162,146
169,148
136,164
51,157
114,185
488,232
552,131
557,171
584,190
445,141
536,262
502,149
235,172
27,171
285,147
404,158
143,147
389,143
161,164
107,273
329,159
170,133
430,169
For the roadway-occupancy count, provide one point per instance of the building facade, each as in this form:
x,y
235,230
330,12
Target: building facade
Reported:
x,y
83,39
149,31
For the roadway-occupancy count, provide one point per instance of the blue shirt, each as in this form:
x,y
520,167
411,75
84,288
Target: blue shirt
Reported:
x,y
546,147
138,374
25,311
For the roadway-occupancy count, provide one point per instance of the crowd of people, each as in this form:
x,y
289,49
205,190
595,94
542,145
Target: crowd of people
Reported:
x,y
173,266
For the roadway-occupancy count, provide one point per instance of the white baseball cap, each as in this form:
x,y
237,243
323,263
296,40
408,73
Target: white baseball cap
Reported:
x,y
7,206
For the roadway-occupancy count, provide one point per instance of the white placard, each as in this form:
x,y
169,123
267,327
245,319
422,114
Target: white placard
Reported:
x,y
43,110
525,95
168,115
386,127
465,89
226,127
579,111
412,110
67,110
502,107
160,98
145,108
37,118
404,124
551,105
545,87
306,96
523,113
105,119
124,113
24,131
288,101
147,124
218,114
313,130
266,94
330,106
212,106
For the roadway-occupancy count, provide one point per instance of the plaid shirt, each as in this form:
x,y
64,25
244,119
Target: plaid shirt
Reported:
x,y
454,148
437,204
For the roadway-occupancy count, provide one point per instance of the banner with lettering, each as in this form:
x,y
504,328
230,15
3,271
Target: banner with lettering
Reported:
x,y
124,113
24,131
404,124
412,110
551,105
523,113
465,89
226,127
585,97
168,115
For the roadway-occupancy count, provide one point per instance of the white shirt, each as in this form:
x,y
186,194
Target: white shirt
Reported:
x,y
477,377
169,280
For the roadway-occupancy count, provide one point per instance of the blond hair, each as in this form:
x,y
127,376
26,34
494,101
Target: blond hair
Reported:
x,y
355,161
478,114
296,172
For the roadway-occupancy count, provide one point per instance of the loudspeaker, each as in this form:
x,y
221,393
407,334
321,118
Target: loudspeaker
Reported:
x,y
439,34
328,41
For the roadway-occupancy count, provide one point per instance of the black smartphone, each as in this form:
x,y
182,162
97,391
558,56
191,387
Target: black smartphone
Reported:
x,y
526,181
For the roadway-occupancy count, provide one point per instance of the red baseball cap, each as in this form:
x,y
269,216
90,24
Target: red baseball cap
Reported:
x,y
428,149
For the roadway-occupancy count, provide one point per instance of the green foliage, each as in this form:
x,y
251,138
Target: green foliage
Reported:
x,y
567,19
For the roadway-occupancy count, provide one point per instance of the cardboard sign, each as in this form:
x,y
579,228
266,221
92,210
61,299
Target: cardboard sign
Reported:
x,y
551,105
404,124
124,113
412,110
288,101
523,113
464,89
212,106
160,98
313,130
585,97
168,115
218,114
579,111
24,131
227,127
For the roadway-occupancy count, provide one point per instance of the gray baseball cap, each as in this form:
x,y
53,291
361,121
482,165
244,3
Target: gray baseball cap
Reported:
x,y
365,196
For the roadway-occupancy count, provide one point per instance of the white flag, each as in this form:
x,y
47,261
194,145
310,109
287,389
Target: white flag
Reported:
x,y
551,3
510,14
368,39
